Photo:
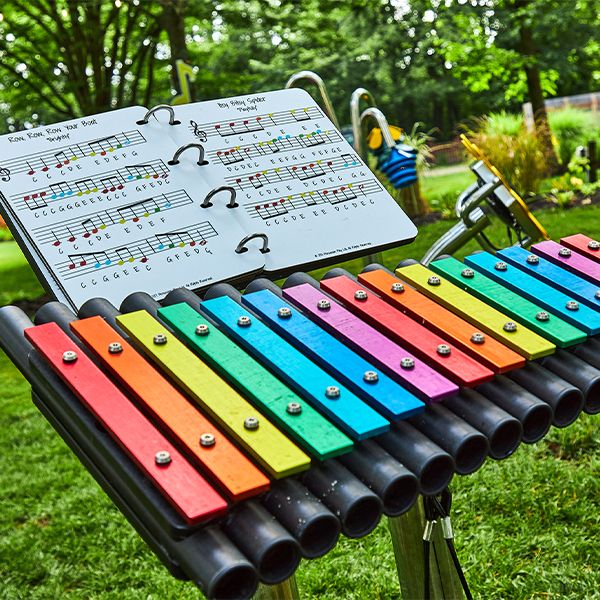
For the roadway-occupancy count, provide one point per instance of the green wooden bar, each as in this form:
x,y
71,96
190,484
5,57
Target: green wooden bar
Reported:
x,y
524,311
309,429
279,456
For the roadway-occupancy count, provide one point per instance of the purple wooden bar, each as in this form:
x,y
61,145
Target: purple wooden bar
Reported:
x,y
421,379
569,259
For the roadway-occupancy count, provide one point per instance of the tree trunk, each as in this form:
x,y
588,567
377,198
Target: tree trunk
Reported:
x,y
528,50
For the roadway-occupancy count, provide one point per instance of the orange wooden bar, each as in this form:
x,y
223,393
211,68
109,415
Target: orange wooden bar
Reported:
x,y
492,353
202,439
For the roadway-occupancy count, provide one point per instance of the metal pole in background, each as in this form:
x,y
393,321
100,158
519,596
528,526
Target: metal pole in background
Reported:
x,y
286,590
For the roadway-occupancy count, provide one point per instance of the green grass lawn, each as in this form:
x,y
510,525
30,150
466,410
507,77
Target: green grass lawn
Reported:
x,y
527,527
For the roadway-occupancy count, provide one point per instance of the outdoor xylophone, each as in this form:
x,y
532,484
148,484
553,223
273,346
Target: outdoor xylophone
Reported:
x,y
240,433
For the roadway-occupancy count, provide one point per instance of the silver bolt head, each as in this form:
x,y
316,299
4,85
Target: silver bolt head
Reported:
x,y
501,266
202,329
444,350
542,316
478,338
284,312
572,305
115,348
244,321
532,259
565,252
323,304
371,376
294,408
434,280
594,245
162,458
333,391
407,363
397,288
251,423
468,273
207,440
160,339
511,327
69,356
360,295
597,295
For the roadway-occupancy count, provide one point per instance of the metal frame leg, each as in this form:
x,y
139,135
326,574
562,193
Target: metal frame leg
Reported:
x,y
286,590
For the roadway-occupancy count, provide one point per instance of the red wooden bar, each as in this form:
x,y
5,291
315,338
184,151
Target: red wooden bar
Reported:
x,y
190,494
448,359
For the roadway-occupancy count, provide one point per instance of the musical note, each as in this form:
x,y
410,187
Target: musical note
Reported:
x,y
85,186
308,171
4,174
61,159
89,231
272,209
60,190
98,259
229,157
313,139
301,115
104,145
112,183
141,172
135,215
120,252
342,194
349,160
174,238
199,133
227,129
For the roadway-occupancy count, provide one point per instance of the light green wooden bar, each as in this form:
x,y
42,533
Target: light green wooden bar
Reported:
x,y
309,429
278,455
491,321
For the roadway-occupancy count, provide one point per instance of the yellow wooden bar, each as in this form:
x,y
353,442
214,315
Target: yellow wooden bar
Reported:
x,y
488,319
278,455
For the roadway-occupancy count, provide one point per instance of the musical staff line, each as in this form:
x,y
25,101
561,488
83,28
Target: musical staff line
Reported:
x,y
301,172
139,251
103,183
64,155
243,125
332,196
74,229
282,143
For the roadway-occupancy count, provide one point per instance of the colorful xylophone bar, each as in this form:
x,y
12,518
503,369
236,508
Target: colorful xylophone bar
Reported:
x,y
239,433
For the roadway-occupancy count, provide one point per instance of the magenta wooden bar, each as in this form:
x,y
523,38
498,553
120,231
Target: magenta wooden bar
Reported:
x,y
583,244
421,379
569,260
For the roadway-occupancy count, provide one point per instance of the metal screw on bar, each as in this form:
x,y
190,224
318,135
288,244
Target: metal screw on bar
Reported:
x,y
532,259
202,329
160,339
407,363
69,356
162,458
294,408
594,245
434,280
244,321
501,266
284,312
115,348
323,304
542,316
468,273
207,440
597,295
572,305
397,288
333,391
511,327
444,350
564,252
478,338
251,423
360,295
371,376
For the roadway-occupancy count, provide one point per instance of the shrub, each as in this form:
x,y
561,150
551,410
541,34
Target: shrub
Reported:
x,y
513,150
572,127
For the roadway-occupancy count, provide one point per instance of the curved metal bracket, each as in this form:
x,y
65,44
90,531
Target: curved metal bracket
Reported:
x,y
172,120
379,118
315,79
359,142
224,188
180,151
241,247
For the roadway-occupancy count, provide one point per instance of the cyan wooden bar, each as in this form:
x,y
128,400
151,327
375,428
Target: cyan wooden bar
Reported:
x,y
581,316
308,428
497,295
278,455
488,319
351,414
361,376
